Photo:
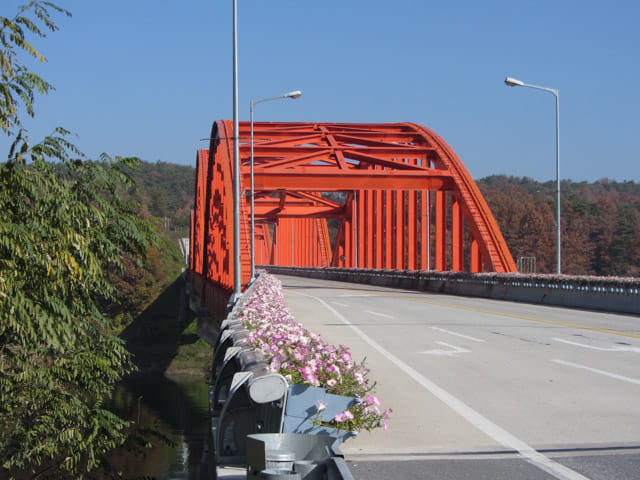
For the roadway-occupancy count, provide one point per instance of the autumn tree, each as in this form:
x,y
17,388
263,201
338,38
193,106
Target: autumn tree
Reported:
x,y
600,223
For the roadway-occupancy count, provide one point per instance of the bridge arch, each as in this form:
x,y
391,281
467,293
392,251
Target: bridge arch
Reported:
x,y
385,196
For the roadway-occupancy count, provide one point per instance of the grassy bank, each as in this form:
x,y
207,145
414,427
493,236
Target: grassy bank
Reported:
x,y
161,345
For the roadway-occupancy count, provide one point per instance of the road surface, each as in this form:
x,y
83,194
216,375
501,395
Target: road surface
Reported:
x,y
483,389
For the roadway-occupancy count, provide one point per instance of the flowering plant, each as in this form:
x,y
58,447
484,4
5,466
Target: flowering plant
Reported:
x,y
304,357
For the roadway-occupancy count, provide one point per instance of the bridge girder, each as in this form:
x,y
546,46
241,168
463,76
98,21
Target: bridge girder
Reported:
x,y
401,197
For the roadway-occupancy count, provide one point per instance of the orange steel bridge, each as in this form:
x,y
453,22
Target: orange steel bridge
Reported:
x,y
381,196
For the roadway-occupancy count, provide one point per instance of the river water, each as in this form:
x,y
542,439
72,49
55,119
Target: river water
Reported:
x,y
177,409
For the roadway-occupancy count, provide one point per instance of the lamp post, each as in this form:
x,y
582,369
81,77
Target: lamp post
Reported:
x,y
237,279
513,82
294,94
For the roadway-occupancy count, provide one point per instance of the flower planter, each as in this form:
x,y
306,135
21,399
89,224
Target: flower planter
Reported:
x,y
305,359
302,415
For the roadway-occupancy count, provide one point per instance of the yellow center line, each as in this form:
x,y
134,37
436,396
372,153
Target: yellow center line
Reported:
x,y
557,323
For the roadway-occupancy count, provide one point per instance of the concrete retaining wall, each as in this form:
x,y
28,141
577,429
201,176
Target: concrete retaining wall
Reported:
x,y
596,293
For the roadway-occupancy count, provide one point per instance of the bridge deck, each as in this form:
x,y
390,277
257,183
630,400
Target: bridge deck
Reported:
x,y
523,391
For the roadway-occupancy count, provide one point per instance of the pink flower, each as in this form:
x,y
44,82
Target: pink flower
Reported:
x,y
309,375
372,400
303,356
275,365
343,416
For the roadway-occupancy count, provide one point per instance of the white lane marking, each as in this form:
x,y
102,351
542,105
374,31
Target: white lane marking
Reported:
x,y
620,348
380,314
446,353
345,295
600,372
339,304
457,334
482,423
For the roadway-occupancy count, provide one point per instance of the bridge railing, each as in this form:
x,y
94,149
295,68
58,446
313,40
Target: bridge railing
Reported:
x,y
613,294
255,413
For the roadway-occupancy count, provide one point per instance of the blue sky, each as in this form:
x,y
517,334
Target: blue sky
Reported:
x,y
147,78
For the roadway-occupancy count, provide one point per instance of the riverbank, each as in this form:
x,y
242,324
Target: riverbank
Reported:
x,y
167,397
162,344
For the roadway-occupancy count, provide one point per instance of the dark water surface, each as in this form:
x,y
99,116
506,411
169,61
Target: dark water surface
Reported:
x,y
178,409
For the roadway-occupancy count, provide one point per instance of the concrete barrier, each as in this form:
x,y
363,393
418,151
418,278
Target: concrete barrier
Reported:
x,y
594,293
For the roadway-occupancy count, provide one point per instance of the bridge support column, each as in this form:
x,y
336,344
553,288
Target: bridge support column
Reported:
x,y
457,235
441,231
399,227
368,228
361,234
379,229
412,222
388,229
476,259
348,241
424,230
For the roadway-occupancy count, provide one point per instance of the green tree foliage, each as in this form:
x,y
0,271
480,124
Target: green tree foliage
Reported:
x,y
62,227
19,85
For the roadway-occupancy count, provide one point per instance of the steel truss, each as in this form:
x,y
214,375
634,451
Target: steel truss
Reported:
x,y
399,197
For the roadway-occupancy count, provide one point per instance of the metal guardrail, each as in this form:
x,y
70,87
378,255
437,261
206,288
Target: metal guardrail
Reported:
x,y
249,408
611,294
295,456
245,397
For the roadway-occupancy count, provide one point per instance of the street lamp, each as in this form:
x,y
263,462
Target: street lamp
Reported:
x,y
294,94
513,82
237,279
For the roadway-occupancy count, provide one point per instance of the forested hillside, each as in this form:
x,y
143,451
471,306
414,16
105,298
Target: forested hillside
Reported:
x,y
600,221
165,191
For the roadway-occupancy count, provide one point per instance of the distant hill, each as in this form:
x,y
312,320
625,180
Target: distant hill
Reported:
x,y
165,190
600,220
600,223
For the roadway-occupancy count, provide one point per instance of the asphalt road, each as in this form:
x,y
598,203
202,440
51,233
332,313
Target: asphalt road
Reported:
x,y
483,389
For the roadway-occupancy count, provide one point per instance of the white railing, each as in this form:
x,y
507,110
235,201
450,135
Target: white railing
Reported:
x,y
615,294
